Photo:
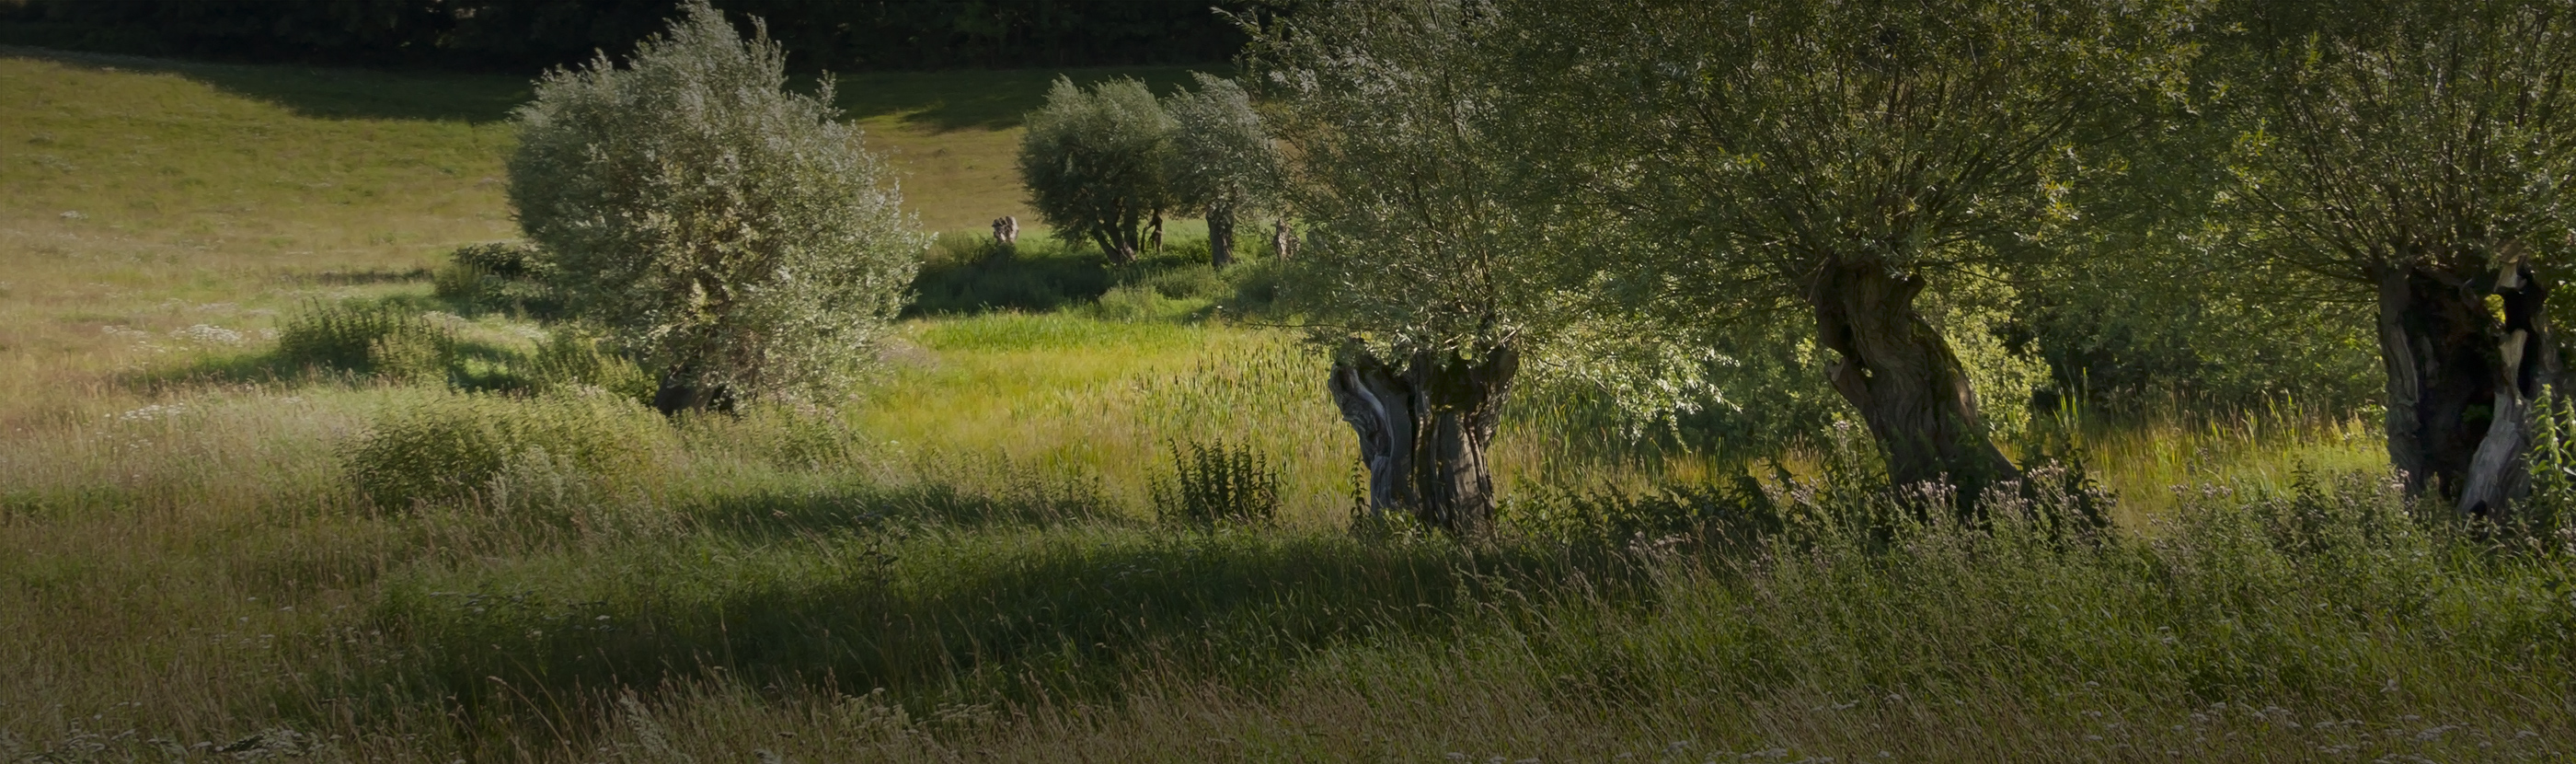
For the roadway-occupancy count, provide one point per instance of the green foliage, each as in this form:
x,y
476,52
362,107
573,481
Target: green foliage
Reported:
x,y
507,276
1221,154
381,339
1418,237
1217,482
456,447
724,230
2550,513
2405,134
503,259
1093,160
2129,339
574,360
1974,316
1221,159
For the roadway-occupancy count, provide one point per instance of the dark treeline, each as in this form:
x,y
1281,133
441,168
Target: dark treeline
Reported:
x,y
527,35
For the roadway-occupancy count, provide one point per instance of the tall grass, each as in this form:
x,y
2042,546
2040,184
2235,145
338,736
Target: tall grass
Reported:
x,y
205,554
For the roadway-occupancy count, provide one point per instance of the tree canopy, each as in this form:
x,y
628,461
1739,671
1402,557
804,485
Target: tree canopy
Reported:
x,y
731,234
1094,161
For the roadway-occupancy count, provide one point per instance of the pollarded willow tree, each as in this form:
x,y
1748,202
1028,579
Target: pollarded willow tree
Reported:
x,y
1221,160
730,234
1842,156
1094,162
2424,153
1427,269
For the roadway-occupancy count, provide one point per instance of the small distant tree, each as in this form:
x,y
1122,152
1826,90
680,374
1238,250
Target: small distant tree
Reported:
x,y
728,233
1222,159
1094,160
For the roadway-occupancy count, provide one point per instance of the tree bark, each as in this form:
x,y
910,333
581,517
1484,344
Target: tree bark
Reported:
x,y
1220,221
1426,429
2461,380
1118,239
1902,376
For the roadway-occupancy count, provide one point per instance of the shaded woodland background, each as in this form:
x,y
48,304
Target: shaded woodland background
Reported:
x,y
530,35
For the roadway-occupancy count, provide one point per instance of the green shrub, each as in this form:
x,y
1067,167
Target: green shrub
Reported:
x,y
376,339
2549,515
502,259
1258,287
1217,482
1136,302
732,235
499,276
1188,282
458,447
1094,162
572,359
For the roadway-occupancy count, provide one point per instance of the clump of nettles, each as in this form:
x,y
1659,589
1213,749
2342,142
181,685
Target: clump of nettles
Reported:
x,y
1217,482
730,236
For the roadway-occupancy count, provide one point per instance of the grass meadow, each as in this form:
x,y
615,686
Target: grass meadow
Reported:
x,y
214,545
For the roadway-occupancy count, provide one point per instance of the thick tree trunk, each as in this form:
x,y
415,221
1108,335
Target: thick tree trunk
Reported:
x,y
1900,373
1220,220
2461,380
678,394
1425,431
1111,248
1118,239
1283,242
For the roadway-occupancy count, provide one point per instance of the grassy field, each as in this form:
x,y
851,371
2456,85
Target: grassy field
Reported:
x,y
962,562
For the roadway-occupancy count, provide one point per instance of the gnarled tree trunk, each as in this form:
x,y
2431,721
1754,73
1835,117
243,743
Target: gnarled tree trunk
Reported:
x,y
2461,380
1220,221
1118,239
1900,373
678,392
1425,431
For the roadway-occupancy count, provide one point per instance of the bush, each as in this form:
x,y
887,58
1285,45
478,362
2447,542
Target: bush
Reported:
x,y
1188,282
503,259
572,359
374,339
1217,482
498,276
733,237
1094,161
452,448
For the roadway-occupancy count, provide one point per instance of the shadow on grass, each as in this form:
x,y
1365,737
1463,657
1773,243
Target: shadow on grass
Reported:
x,y
326,93
962,279
779,513
360,278
1068,613
967,275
